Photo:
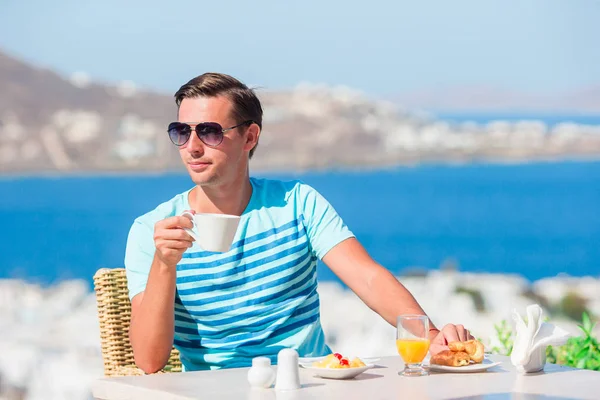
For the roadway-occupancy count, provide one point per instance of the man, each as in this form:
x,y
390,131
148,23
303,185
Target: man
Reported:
x,y
223,309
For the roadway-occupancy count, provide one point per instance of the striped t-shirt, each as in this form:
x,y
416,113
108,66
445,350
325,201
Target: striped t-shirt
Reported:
x,y
261,295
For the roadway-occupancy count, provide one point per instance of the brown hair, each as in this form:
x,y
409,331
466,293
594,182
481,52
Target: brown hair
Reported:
x,y
246,105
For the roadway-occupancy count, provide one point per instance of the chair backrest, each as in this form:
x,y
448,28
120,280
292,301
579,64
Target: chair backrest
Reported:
x,y
114,315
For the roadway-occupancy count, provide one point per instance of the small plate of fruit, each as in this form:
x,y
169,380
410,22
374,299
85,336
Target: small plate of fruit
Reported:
x,y
335,366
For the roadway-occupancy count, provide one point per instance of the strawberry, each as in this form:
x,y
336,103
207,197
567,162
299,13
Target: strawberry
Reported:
x,y
338,356
344,361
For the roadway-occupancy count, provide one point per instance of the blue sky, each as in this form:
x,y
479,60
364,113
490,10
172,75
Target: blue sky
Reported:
x,y
381,47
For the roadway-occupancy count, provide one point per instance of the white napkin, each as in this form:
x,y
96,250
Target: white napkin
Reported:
x,y
531,340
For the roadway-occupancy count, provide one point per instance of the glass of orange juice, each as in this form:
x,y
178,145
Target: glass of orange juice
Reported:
x,y
412,342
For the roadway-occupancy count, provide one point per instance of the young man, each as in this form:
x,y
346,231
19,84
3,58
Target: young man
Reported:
x,y
223,309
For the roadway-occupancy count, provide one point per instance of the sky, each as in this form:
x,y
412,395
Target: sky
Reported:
x,y
381,47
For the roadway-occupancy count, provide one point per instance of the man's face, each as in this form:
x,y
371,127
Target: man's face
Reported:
x,y
224,163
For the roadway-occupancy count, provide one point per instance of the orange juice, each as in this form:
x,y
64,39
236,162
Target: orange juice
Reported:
x,y
413,351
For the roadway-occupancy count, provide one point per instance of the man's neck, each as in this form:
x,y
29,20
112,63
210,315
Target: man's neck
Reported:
x,y
229,198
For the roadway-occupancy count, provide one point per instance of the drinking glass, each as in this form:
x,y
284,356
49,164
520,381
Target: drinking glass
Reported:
x,y
412,342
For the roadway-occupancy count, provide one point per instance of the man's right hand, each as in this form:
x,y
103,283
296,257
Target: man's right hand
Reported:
x,y
171,240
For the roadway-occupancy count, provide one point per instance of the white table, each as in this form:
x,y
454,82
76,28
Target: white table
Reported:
x,y
383,382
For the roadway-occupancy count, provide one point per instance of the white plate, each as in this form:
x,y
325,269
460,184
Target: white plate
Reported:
x,y
307,362
483,366
338,373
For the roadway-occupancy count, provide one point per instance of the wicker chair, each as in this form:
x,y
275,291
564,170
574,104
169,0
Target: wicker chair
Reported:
x,y
114,314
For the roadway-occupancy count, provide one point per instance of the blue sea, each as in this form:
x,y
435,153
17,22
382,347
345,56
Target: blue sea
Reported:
x,y
537,220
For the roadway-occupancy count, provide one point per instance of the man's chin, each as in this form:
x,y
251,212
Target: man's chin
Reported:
x,y
202,178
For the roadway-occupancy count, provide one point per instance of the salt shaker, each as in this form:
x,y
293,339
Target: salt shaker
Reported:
x,y
261,375
288,373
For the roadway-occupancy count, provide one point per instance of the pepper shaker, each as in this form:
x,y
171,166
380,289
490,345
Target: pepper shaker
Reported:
x,y
288,373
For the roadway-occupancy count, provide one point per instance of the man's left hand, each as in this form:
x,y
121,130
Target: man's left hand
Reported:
x,y
449,333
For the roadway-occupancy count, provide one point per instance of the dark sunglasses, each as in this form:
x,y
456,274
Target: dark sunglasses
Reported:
x,y
211,133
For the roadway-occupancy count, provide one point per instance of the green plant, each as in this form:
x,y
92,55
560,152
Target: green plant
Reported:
x,y
505,338
579,352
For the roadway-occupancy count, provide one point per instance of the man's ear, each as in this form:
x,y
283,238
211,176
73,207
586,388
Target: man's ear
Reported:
x,y
252,135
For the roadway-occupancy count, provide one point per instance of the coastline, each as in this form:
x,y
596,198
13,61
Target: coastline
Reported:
x,y
308,128
392,167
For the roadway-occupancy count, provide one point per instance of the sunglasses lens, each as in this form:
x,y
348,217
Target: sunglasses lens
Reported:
x,y
211,134
179,133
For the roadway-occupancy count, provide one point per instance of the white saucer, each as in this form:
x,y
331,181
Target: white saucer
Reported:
x,y
483,366
338,373
307,362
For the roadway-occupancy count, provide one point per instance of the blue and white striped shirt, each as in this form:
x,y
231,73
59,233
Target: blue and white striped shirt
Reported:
x,y
261,295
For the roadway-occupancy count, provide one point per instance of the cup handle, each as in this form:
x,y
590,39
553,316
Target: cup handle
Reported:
x,y
190,231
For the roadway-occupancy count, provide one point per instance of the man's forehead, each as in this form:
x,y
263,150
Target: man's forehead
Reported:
x,y
201,108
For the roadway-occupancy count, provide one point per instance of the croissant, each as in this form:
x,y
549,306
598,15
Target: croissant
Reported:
x,y
474,348
457,346
451,358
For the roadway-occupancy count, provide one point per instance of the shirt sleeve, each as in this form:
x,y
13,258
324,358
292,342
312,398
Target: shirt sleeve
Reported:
x,y
139,254
324,226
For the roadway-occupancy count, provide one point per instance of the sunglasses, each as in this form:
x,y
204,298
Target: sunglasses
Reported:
x,y
210,133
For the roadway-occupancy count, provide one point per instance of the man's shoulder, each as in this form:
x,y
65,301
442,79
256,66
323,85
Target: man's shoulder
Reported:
x,y
289,189
174,206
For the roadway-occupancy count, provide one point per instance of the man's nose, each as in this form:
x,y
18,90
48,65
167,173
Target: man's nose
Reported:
x,y
195,145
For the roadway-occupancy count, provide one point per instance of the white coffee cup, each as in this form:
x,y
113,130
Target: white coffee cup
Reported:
x,y
213,232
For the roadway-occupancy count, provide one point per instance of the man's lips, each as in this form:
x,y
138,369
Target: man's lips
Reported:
x,y
198,165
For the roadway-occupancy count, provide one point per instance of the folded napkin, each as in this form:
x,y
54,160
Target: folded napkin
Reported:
x,y
532,338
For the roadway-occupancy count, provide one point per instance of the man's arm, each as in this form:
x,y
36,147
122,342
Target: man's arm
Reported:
x,y
381,291
374,284
153,320
152,311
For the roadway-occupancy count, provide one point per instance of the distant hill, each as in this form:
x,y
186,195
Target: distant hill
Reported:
x,y
34,94
50,124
